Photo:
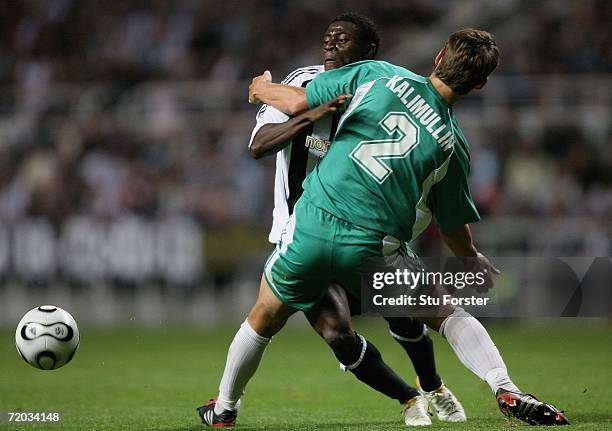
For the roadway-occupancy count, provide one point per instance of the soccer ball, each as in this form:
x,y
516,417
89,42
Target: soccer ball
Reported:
x,y
47,337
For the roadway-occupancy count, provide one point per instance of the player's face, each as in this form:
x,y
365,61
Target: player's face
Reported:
x,y
341,45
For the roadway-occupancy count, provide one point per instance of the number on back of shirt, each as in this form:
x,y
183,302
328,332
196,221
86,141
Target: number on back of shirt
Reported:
x,y
371,155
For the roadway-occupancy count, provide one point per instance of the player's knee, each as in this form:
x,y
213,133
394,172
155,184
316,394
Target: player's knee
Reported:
x,y
266,321
339,339
262,325
333,326
458,313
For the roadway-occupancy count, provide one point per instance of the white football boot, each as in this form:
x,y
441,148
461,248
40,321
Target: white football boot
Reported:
x,y
444,404
415,412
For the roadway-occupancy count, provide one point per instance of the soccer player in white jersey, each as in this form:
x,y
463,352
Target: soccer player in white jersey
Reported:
x,y
300,143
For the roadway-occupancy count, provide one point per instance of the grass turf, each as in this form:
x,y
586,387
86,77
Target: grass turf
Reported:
x,y
135,379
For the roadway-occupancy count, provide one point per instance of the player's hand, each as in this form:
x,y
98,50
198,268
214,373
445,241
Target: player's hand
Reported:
x,y
257,86
482,264
327,108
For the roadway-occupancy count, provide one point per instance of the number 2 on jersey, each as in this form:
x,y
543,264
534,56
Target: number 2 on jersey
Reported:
x,y
370,155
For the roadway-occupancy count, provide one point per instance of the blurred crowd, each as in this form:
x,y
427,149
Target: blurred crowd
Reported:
x,y
103,110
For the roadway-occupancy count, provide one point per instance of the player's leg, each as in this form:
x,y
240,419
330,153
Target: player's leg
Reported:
x,y
412,335
331,319
475,349
464,333
266,318
355,248
296,277
473,346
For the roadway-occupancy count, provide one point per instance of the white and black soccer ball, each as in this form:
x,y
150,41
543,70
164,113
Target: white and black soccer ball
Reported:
x,y
47,337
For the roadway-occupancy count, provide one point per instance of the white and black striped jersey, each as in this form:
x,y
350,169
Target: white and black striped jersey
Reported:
x,y
297,159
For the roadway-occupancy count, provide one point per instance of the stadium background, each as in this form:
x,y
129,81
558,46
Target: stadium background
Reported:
x,y
125,180
128,197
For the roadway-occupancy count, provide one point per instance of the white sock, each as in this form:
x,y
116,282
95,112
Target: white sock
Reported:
x,y
475,349
243,358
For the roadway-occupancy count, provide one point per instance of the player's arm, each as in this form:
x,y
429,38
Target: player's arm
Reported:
x,y
293,100
286,98
272,138
454,209
461,243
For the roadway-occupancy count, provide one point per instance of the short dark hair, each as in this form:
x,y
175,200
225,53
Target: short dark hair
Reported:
x,y
368,33
470,56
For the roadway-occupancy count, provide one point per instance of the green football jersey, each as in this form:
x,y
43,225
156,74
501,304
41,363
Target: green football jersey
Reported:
x,y
398,156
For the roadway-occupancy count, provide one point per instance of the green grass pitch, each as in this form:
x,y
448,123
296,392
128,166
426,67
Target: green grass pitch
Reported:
x,y
135,379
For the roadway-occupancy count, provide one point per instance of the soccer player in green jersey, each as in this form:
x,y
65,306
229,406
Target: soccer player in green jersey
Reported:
x,y
299,143
397,160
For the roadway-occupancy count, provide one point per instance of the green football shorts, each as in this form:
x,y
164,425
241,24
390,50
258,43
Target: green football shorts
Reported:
x,y
315,249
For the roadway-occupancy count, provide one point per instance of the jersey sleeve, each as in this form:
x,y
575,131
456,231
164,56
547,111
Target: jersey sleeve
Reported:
x,y
268,114
332,83
450,199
